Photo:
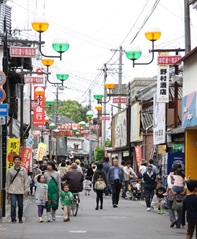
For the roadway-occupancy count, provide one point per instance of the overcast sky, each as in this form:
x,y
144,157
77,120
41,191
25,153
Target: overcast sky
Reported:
x,y
96,27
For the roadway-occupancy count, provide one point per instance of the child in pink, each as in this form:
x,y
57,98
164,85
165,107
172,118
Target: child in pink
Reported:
x,y
179,181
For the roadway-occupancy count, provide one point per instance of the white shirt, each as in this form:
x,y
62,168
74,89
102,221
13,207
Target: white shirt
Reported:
x,y
127,172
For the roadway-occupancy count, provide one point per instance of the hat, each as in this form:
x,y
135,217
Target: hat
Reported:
x,y
77,161
149,166
144,161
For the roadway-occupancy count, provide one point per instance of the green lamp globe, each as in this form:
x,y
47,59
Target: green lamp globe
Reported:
x,y
133,52
49,101
82,123
52,126
89,114
74,129
77,134
98,96
60,45
62,76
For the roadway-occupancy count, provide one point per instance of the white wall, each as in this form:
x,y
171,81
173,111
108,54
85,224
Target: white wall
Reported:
x,y
190,75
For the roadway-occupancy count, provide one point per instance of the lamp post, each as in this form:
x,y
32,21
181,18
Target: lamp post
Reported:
x,y
60,44
51,127
89,116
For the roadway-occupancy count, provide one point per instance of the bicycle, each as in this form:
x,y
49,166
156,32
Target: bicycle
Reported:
x,y
75,204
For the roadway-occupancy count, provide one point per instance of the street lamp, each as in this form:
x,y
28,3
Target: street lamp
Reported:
x,y
60,45
50,102
89,114
98,96
39,92
98,107
82,123
134,52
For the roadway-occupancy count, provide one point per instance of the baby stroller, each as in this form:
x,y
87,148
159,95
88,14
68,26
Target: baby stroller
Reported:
x,y
136,191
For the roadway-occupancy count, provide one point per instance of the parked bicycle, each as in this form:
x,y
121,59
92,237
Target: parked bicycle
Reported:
x,y
75,204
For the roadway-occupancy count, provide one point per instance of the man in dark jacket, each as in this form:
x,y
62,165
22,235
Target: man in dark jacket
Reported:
x,y
106,167
74,179
149,186
116,179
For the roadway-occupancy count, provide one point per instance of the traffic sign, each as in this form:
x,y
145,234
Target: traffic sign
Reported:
x,y
105,118
24,52
31,136
2,78
2,95
120,100
33,80
2,120
3,110
30,142
169,60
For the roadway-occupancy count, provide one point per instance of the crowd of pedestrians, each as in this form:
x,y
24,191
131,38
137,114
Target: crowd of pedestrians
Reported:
x,y
51,183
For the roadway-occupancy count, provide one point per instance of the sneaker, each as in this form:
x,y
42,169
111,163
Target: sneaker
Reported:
x,y
162,212
65,220
41,220
54,219
115,206
14,220
20,221
159,211
101,207
96,208
148,209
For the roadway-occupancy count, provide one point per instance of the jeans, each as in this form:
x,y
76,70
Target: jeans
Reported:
x,y
148,193
172,214
13,199
125,189
178,189
99,197
116,187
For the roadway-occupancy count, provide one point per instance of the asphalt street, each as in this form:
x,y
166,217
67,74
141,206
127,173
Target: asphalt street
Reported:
x,y
130,220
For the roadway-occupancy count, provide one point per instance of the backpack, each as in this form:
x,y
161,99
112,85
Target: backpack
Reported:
x,y
100,185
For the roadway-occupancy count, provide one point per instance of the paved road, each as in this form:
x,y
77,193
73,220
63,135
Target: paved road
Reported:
x,y
130,220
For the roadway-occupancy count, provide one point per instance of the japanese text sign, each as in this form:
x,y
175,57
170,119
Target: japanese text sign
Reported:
x,y
39,103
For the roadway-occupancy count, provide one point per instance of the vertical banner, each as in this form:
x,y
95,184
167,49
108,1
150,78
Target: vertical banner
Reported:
x,y
163,84
159,121
39,103
26,155
41,151
138,155
13,148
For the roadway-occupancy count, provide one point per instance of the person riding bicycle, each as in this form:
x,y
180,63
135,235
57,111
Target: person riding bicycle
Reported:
x,y
74,179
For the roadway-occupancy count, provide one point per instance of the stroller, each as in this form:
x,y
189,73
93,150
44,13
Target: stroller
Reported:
x,y
136,191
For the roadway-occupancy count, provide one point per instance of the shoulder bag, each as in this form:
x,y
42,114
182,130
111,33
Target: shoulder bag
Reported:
x,y
15,176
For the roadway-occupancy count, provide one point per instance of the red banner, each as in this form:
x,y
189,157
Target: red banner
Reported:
x,y
39,103
138,155
26,154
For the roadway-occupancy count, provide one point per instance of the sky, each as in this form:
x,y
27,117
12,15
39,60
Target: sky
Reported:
x,y
95,30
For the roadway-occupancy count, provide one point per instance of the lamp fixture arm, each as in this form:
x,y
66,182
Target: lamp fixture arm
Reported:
x,y
40,49
52,83
147,63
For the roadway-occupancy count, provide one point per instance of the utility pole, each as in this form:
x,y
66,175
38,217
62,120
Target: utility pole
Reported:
x,y
187,27
90,140
56,117
104,111
120,75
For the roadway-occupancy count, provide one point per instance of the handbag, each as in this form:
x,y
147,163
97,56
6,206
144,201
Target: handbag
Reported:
x,y
100,185
177,205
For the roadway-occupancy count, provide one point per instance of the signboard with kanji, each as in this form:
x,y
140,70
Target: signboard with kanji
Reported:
x,y
13,147
120,100
38,116
169,60
163,84
105,117
33,80
23,52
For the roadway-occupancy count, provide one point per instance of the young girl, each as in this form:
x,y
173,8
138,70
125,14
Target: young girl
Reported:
x,y
179,181
87,184
66,200
160,190
41,194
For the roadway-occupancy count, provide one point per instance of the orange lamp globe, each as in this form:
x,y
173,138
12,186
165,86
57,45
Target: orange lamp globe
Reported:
x,y
46,119
110,84
153,34
47,62
98,107
40,24
39,91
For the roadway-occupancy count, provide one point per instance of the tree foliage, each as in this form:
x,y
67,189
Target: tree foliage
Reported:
x,y
99,153
70,108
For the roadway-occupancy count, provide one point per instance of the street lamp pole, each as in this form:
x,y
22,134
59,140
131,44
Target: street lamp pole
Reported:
x,y
56,116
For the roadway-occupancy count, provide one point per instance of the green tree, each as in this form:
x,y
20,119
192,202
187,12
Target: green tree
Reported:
x,y
108,143
70,108
99,153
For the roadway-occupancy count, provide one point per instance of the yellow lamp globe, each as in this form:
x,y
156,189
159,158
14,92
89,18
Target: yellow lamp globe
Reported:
x,y
153,34
40,24
39,91
47,62
98,107
110,84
